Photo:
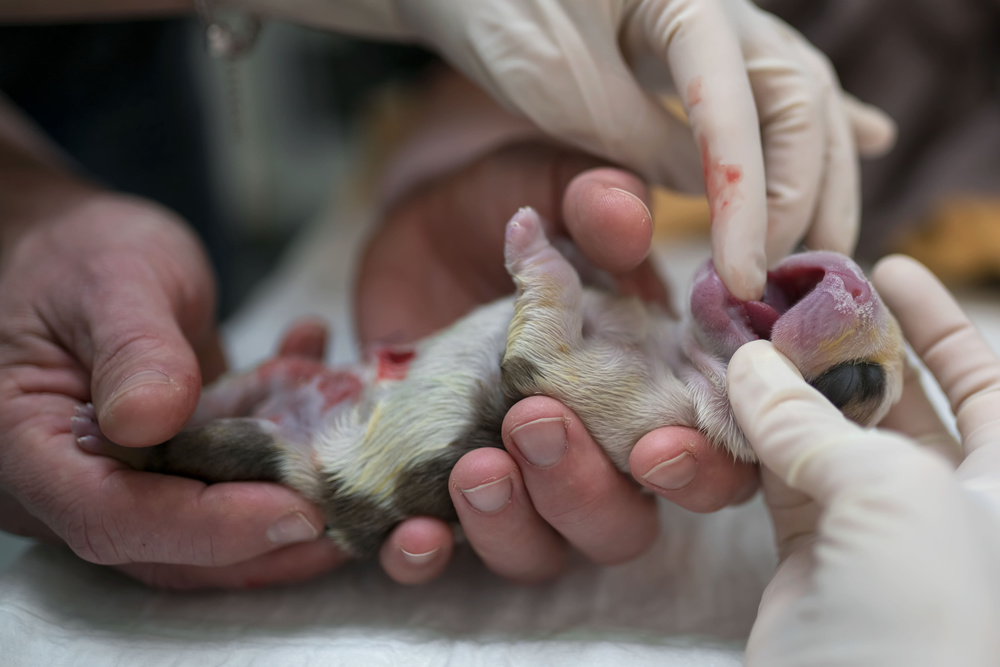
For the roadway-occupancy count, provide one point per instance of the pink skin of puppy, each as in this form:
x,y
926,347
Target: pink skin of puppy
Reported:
x,y
374,444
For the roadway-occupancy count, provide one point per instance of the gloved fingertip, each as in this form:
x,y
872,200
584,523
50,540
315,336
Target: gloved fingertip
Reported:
x,y
874,130
892,265
744,280
779,247
838,235
760,365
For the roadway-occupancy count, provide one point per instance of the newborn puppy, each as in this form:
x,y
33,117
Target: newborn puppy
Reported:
x,y
375,444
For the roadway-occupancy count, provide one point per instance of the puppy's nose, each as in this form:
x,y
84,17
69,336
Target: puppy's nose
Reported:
x,y
858,288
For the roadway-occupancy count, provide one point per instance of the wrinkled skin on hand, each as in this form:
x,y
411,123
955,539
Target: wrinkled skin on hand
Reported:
x,y
110,299
374,444
133,294
428,265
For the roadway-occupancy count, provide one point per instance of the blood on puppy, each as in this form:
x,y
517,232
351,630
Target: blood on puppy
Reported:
x,y
374,444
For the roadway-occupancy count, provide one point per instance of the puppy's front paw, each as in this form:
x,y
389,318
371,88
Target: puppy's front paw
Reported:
x,y
88,432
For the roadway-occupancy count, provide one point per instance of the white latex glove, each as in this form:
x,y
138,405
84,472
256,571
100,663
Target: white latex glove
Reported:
x,y
889,551
587,72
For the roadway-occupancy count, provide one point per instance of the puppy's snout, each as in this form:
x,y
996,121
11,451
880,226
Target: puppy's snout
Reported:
x,y
858,288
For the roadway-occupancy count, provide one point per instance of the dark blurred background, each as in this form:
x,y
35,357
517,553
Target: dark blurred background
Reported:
x,y
247,152
934,66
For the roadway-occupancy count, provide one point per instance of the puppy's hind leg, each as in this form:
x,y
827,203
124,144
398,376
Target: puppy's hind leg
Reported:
x,y
540,271
547,326
223,450
588,350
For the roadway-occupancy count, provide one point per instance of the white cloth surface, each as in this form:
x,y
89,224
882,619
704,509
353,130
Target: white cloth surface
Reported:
x,y
690,601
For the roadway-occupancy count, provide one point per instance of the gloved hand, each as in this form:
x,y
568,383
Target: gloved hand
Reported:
x,y
889,541
588,73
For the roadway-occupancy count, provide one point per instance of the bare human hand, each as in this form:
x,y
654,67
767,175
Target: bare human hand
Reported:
x,y
110,299
437,255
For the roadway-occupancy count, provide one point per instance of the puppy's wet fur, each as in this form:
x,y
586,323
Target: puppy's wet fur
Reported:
x,y
379,447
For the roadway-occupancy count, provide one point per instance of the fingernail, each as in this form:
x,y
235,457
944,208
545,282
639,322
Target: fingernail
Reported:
x,y
638,201
420,559
491,496
542,442
140,379
292,529
673,474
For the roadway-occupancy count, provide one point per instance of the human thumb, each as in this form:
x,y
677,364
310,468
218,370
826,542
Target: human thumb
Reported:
x,y
145,379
